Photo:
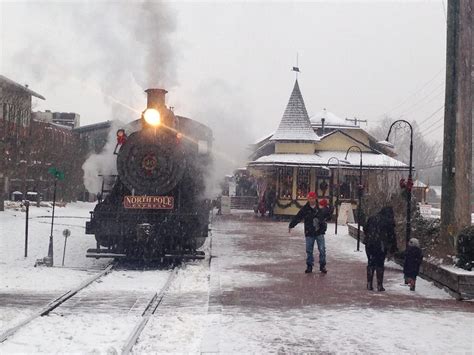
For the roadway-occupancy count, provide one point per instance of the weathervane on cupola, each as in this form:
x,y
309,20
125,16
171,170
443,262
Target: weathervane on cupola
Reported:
x,y
297,68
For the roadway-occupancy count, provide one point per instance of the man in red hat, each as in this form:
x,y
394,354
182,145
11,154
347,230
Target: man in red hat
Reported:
x,y
315,226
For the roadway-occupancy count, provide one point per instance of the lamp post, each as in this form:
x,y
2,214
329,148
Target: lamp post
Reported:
x,y
359,204
409,183
337,192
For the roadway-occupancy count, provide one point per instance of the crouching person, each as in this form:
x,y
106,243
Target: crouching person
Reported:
x,y
379,240
411,265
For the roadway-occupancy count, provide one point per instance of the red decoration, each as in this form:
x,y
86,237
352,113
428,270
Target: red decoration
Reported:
x,y
121,137
409,184
403,183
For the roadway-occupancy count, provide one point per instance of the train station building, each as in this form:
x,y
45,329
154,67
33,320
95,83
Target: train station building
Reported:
x,y
325,154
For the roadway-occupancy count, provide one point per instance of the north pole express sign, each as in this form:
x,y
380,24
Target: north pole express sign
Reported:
x,y
149,202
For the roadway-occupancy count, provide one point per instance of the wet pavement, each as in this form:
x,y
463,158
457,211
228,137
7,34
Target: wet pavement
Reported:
x,y
260,265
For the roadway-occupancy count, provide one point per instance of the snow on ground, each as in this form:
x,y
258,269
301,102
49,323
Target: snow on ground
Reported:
x,y
345,331
191,319
20,276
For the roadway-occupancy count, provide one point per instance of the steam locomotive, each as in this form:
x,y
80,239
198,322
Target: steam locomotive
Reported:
x,y
156,206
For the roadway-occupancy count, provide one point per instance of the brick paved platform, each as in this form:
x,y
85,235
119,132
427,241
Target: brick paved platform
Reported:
x,y
261,251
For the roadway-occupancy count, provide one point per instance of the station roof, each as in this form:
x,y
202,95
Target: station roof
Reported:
x,y
295,125
330,119
369,160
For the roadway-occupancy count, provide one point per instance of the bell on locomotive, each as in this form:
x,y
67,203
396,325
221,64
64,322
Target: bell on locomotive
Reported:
x,y
156,207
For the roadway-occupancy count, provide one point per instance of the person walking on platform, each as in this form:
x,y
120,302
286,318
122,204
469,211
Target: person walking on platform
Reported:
x,y
411,265
379,240
314,217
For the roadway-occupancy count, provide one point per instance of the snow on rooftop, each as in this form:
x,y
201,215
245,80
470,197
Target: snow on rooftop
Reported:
x,y
295,124
330,119
321,158
418,183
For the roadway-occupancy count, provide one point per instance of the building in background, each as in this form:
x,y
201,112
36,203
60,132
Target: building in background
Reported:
x,y
296,159
15,129
69,119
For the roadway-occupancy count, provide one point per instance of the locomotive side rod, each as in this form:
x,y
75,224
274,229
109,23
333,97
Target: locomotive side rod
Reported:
x,y
56,302
147,313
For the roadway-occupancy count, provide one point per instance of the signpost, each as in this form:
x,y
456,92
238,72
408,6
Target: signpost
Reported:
x,y
27,207
58,175
425,210
66,234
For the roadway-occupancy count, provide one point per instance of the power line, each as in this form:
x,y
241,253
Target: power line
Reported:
x,y
410,108
413,94
433,129
434,113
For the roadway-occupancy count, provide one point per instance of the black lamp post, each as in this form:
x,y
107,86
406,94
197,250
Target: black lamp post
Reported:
x,y
409,184
337,192
359,204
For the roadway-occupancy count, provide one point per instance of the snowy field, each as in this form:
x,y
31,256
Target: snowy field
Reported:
x,y
192,317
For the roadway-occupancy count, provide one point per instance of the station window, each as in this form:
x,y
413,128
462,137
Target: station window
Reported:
x,y
349,187
302,183
285,186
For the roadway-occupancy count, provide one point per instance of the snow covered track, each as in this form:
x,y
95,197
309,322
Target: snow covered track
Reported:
x,y
57,302
149,311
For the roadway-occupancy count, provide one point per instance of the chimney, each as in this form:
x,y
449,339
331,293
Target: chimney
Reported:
x,y
156,98
322,125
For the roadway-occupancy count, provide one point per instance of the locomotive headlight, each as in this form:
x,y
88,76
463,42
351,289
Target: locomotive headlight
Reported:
x,y
152,117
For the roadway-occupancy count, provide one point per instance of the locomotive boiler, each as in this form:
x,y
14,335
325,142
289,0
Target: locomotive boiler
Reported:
x,y
156,206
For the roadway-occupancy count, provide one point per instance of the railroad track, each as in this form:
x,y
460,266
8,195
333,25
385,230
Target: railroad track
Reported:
x,y
150,309
56,303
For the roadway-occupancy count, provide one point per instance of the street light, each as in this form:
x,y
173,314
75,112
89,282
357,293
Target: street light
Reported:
x,y
359,204
337,192
410,179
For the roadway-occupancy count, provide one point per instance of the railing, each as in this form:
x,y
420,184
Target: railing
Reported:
x,y
243,202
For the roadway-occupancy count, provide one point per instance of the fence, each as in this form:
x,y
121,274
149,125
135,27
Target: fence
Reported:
x,y
243,202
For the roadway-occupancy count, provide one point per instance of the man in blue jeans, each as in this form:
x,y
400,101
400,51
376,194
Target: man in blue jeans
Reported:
x,y
314,216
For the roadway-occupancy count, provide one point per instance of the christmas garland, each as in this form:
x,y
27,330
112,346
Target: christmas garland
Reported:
x,y
291,202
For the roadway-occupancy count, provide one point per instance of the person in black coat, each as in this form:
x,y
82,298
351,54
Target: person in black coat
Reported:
x,y
411,265
314,215
379,240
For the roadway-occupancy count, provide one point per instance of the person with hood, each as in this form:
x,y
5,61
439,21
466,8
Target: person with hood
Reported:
x,y
411,265
314,215
379,240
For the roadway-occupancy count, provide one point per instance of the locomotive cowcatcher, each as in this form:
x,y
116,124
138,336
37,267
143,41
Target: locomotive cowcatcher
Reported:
x,y
156,207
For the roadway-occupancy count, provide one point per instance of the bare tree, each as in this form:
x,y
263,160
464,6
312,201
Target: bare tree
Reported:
x,y
426,155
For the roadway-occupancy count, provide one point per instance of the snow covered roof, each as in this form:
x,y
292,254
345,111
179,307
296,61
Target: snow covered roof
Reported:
x,y
11,83
369,160
330,119
418,183
295,124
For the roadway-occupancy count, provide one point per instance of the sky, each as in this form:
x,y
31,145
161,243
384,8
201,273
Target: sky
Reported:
x,y
228,64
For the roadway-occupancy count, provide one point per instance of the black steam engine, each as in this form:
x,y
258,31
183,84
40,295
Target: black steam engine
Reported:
x,y
156,207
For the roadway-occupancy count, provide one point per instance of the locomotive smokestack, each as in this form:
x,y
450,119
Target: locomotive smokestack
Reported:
x,y
156,98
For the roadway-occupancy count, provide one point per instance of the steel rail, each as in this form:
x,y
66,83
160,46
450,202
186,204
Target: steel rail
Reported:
x,y
56,302
147,313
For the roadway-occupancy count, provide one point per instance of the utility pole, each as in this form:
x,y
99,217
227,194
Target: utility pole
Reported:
x,y
355,120
457,145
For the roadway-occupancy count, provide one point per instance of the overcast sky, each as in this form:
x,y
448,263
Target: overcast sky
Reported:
x,y
229,64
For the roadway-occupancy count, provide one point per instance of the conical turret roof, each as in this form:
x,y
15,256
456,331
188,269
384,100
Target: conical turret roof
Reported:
x,y
295,124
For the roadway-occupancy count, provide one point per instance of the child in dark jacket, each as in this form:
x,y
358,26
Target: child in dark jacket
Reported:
x,y
411,266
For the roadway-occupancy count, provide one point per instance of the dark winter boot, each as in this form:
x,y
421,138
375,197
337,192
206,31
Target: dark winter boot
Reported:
x,y
380,271
412,282
370,278
323,269
309,269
